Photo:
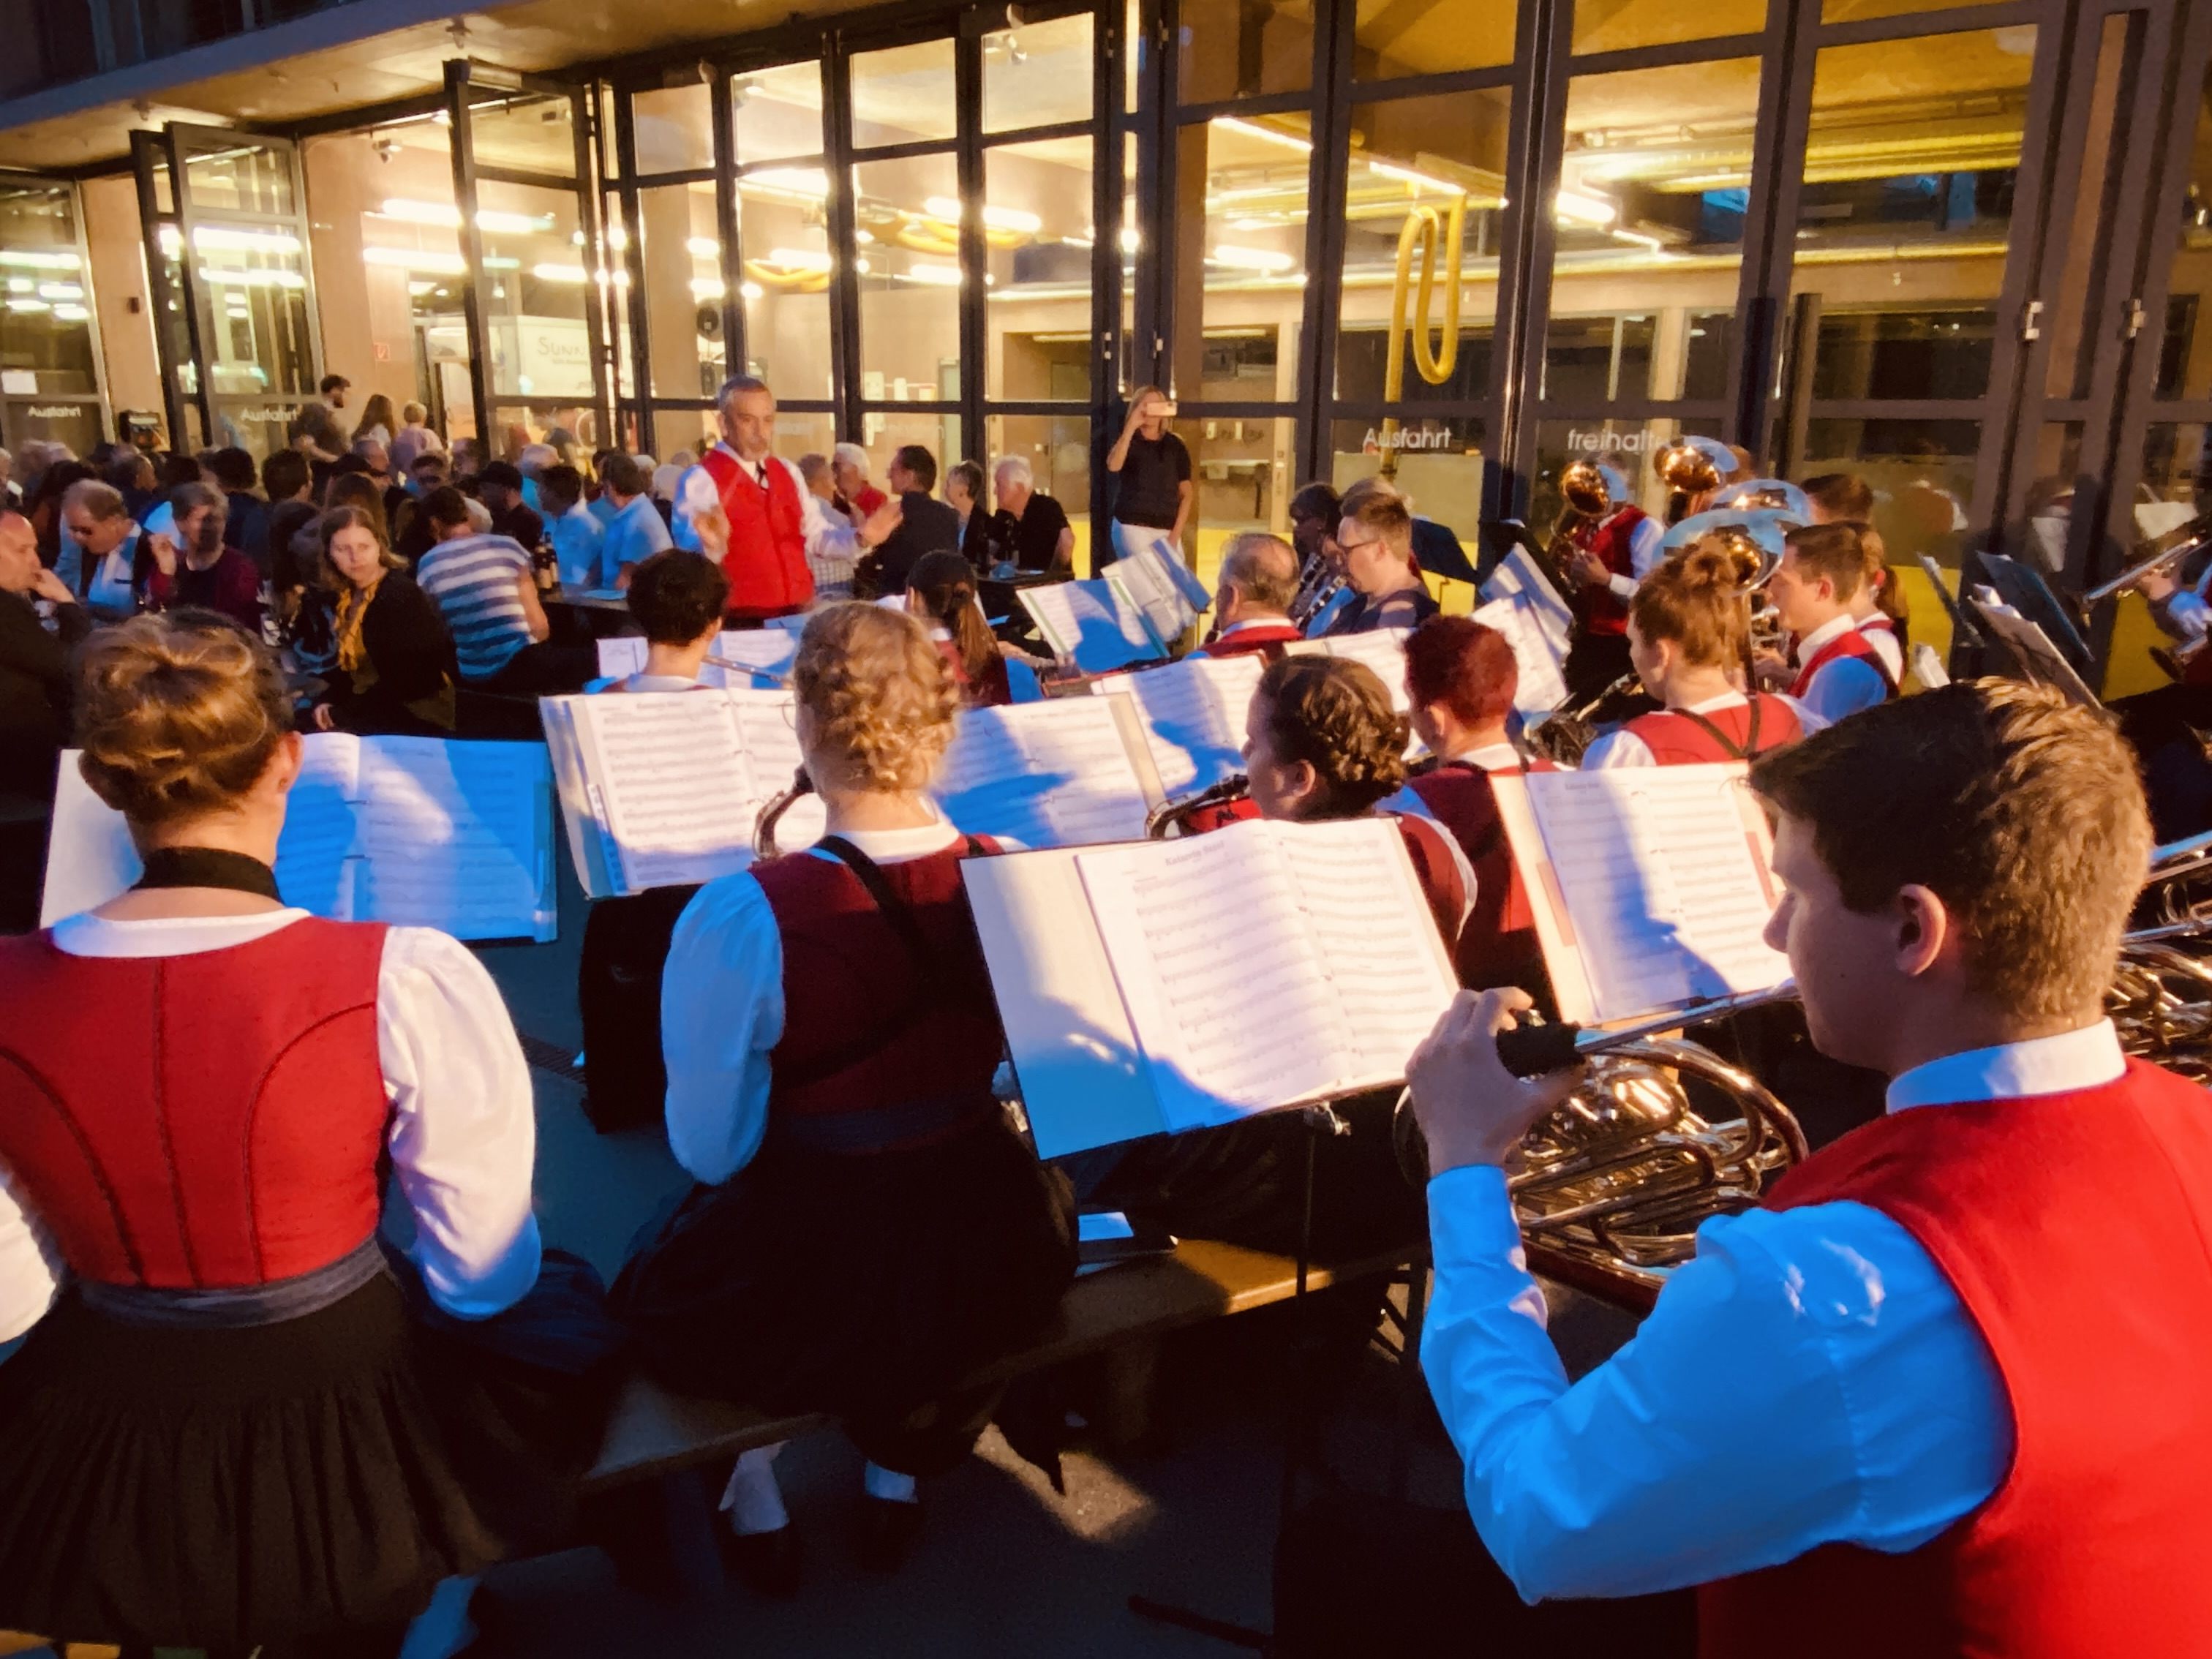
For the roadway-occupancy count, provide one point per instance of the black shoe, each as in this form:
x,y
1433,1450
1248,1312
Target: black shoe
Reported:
x,y
767,1563
887,1533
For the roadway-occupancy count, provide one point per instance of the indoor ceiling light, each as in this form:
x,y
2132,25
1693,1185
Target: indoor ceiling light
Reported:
x,y
513,224
1418,180
1253,258
1579,207
71,313
61,290
556,273
1131,241
810,182
28,305
34,259
708,288
1253,130
702,247
240,276
413,258
751,290
421,213
932,274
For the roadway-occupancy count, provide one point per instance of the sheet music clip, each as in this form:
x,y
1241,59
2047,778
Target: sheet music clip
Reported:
x,y
1323,1121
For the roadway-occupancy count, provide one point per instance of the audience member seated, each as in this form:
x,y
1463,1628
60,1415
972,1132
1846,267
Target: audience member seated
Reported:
x,y
104,538
34,683
194,569
1375,541
817,474
1314,512
42,505
306,609
483,585
848,470
577,535
1252,600
940,594
240,1421
394,672
926,525
246,515
1030,530
677,598
636,531
411,536
831,1040
963,494
498,487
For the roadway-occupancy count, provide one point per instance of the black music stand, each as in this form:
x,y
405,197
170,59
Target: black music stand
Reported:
x,y
2021,587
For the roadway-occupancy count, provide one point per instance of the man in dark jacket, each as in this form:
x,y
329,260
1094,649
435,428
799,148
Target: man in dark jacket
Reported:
x,y
927,527
34,679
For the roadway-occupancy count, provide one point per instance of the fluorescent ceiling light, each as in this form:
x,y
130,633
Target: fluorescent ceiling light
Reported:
x,y
240,276
28,305
229,242
708,288
497,262
513,224
1268,135
946,209
71,313
752,290
1579,207
1131,241
810,182
61,290
800,258
1253,258
418,289
21,285
413,258
932,274
32,259
702,247
556,273
1418,180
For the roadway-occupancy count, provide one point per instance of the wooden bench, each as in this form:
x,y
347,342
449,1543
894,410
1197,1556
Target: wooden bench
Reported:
x,y
1122,1313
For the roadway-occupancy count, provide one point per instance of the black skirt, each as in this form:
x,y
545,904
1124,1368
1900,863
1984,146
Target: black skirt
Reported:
x,y
219,1488
860,1286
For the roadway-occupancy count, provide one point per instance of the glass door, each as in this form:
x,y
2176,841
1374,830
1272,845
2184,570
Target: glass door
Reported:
x,y
49,360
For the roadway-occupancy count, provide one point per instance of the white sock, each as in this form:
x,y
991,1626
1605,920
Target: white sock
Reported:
x,y
889,1484
444,1627
752,1497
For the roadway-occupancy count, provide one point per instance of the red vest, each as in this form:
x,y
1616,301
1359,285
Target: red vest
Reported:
x,y
1270,637
1849,643
766,562
1499,945
1441,885
1601,610
993,690
2074,1228
1675,738
866,1036
211,1121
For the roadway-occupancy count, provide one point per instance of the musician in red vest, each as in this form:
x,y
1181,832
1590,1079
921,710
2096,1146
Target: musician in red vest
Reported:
x,y
1978,1430
1613,547
1252,600
237,1421
1460,680
748,506
1839,670
1687,635
831,1039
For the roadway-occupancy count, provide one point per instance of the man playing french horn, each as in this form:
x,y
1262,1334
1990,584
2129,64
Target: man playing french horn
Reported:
x,y
1923,1400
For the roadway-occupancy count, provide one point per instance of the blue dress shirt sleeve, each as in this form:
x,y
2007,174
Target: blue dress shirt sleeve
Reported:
x,y
1808,1377
721,1016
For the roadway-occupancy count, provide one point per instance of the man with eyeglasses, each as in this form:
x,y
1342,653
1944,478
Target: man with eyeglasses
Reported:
x,y
1374,549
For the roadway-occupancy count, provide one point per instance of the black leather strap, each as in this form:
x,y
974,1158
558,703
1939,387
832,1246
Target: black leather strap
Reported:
x,y
208,866
1750,744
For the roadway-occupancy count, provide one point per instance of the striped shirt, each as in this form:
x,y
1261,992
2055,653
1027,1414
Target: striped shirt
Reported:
x,y
474,579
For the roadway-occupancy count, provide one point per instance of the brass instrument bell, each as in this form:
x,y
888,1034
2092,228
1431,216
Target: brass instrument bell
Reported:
x,y
1757,536
1765,495
1586,488
1694,465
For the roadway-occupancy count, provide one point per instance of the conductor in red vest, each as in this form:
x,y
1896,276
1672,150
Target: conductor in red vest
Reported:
x,y
1941,1394
776,544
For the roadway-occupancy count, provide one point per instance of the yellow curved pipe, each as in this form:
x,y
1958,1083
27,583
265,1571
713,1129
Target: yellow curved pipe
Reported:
x,y
787,282
1435,233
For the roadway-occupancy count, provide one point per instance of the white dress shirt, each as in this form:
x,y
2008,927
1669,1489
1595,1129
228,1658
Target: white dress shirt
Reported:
x,y
1844,685
1881,633
722,1006
1644,552
1824,1338
832,549
1622,747
463,1134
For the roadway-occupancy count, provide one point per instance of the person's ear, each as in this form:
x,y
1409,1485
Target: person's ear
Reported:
x,y
1925,930
283,768
1301,783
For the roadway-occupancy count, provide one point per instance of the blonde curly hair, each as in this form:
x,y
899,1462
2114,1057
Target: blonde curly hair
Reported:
x,y
177,714
877,693
1336,714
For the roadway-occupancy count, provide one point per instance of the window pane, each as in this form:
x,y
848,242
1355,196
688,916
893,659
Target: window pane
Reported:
x,y
683,289
777,113
2185,357
2066,369
78,425
45,329
694,429
533,134
1893,201
1244,48
1852,11
886,431
1058,449
1246,183
1241,480
1038,223
255,283
1649,228
1626,446
1414,161
256,426
1440,462
615,283
799,432
2055,467
1619,24
2174,476
675,129
245,178
535,291
785,288
910,278
1922,474
1393,38
904,94
1037,75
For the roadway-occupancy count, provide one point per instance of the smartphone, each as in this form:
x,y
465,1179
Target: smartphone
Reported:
x,y
1167,408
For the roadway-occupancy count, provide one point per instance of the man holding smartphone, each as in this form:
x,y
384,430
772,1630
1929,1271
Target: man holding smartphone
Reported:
x,y
1152,493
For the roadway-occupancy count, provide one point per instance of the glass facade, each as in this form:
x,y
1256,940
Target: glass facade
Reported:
x,y
1963,251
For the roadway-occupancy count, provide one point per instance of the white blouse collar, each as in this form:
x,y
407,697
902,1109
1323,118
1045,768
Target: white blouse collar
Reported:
x,y
90,935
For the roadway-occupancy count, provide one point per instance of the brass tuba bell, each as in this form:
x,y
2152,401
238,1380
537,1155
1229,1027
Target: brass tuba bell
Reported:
x,y
1693,465
1582,483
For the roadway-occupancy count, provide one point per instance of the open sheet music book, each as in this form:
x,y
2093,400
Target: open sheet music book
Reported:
x,y
1098,624
751,658
664,788
1541,660
1066,772
1161,585
1651,885
1194,716
1174,985
2040,660
418,832
1518,579
1382,649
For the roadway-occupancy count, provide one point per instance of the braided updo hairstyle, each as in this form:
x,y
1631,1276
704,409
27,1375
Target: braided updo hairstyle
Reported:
x,y
1696,600
877,693
177,714
1336,714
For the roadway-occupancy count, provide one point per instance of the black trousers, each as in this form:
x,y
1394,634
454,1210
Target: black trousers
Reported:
x,y
1362,1575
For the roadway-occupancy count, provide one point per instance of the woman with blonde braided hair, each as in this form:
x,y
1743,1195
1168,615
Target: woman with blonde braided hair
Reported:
x,y
831,1039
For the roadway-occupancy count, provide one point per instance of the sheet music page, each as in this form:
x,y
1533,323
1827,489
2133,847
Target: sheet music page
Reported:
x,y
90,855
668,775
1543,687
457,836
1517,577
1093,621
621,656
1664,880
768,724
321,828
1383,650
1217,966
1144,577
740,657
1194,713
1052,774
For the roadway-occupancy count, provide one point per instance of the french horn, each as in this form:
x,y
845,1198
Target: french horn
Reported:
x,y
1565,735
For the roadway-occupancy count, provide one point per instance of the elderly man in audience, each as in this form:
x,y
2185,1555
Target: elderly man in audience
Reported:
x,y
96,521
1030,528
34,682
